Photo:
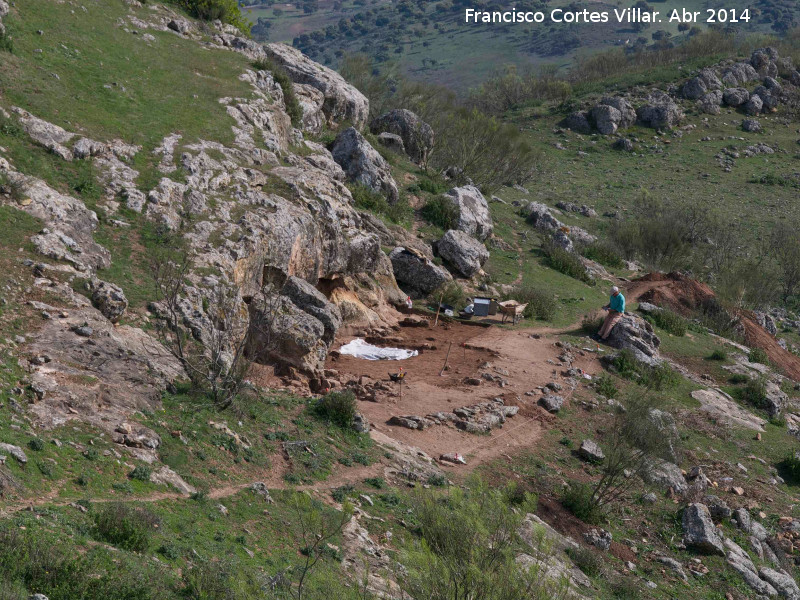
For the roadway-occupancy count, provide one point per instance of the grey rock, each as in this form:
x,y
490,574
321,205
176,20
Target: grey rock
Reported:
x,y
623,144
551,403
649,498
674,565
416,134
606,119
764,61
739,560
769,100
416,273
578,122
665,475
754,106
474,217
625,108
14,451
735,96
599,538
717,507
664,423
361,423
795,78
363,164
782,582
751,125
51,136
635,334
694,89
664,114
540,216
166,476
466,254
392,141
590,451
710,103
86,148
739,74
110,300
699,531
343,102
181,26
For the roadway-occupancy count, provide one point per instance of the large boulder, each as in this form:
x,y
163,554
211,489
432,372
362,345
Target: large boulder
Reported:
x,y
363,164
466,254
416,134
739,74
110,300
540,216
578,122
660,113
751,125
710,78
710,103
343,102
754,105
665,475
735,96
785,585
474,217
606,119
309,299
664,423
415,273
294,326
765,61
625,108
635,334
768,98
699,531
694,89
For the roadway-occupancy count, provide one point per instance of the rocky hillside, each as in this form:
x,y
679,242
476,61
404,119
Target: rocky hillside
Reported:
x,y
196,228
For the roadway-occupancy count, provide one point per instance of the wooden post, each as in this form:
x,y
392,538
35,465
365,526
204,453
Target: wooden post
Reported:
x,y
446,358
438,309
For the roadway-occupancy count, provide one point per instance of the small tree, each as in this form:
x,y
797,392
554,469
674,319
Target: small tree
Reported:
x,y
315,528
210,342
635,440
785,248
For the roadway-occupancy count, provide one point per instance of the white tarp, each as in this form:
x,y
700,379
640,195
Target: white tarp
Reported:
x,y
361,349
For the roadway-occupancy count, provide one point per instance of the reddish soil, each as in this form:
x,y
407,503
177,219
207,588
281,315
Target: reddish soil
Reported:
x,y
520,358
686,296
680,293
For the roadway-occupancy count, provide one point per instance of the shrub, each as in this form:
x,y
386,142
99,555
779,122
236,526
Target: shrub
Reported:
x,y
657,377
625,589
578,499
365,198
338,408
281,77
591,324
340,493
754,392
36,445
6,45
227,11
718,354
789,467
441,211
140,473
209,580
431,186
604,385
604,254
565,262
669,321
757,355
437,480
124,526
541,304
738,378
377,482
449,293
591,563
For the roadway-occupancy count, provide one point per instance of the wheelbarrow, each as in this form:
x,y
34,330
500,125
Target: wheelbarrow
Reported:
x,y
512,309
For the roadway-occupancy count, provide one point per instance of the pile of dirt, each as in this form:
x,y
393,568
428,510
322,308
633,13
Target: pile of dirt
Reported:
x,y
687,296
672,290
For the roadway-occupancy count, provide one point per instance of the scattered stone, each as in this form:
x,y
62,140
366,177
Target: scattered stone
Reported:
x,y
14,451
591,452
674,565
551,403
110,300
600,538
699,531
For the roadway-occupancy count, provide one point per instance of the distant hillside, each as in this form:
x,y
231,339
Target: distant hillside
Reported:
x,y
431,41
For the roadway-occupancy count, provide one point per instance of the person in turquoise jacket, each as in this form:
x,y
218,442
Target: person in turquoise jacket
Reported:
x,y
615,308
